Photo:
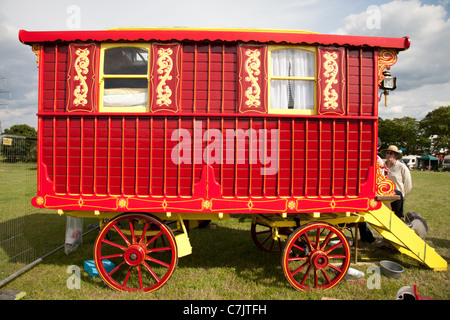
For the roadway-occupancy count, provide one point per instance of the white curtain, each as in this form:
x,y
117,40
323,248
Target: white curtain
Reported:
x,y
296,93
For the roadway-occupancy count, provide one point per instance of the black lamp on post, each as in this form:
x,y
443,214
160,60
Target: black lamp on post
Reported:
x,y
389,83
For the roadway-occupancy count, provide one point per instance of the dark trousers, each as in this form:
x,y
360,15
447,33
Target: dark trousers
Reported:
x,y
397,206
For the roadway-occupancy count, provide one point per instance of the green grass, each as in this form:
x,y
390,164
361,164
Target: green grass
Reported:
x,y
225,263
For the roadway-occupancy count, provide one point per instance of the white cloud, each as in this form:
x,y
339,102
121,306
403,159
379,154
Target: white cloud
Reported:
x,y
423,80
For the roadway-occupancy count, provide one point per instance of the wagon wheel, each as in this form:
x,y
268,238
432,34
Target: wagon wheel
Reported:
x,y
316,256
262,237
142,250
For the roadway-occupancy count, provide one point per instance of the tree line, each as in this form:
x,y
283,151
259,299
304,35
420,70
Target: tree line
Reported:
x,y
427,136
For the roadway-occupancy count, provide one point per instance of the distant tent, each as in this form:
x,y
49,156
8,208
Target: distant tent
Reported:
x,y
429,161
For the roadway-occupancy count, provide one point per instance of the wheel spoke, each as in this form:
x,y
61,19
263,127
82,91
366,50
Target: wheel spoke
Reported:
x,y
316,278
300,268
334,268
325,242
306,275
121,235
154,238
144,231
334,247
318,238
133,238
326,276
127,276
114,244
116,268
141,286
151,271
158,262
117,255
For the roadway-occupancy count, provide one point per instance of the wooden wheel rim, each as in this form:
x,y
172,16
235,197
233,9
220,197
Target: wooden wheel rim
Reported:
x,y
305,260
135,255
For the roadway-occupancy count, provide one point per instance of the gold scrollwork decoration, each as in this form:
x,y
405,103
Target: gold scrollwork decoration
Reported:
x,y
81,68
252,65
384,186
165,64
331,71
386,58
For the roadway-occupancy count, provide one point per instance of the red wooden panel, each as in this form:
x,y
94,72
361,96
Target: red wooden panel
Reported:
x,y
129,156
271,176
88,152
47,144
252,69
157,168
74,155
81,78
331,81
60,178
165,77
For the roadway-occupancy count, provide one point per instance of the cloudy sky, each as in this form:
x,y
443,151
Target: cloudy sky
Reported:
x,y
422,71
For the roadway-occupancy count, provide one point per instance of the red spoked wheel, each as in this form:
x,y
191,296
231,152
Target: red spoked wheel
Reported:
x,y
262,236
316,256
139,249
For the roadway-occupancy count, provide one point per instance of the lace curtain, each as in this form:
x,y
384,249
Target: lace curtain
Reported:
x,y
287,93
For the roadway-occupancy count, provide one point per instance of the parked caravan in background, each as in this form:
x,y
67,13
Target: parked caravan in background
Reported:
x,y
411,161
446,163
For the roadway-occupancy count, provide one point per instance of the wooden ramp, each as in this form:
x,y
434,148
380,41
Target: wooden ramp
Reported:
x,y
403,238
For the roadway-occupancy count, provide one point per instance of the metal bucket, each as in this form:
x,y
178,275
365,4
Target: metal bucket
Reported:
x,y
391,269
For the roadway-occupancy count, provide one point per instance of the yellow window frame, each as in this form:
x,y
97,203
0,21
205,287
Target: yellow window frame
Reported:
x,y
271,110
103,76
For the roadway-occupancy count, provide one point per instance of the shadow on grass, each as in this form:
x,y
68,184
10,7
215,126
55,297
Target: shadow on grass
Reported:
x,y
225,246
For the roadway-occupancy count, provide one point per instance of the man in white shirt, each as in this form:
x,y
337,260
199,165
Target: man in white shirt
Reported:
x,y
399,173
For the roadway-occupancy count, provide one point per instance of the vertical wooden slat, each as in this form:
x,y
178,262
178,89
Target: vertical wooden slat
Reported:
x,y
264,153
319,162
122,164
359,156
195,77
54,153
235,157
81,153
108,180
165,158
208,102
306,156
95,155
292,157
67,154
360,81
56,80
136,153
250,152
347,81
333,156
346,158
223,79
151,158
278,156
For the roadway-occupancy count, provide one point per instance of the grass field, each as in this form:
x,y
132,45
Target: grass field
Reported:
x,y
225,263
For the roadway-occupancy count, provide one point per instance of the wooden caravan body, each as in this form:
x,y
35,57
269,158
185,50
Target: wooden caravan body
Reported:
x,y
187,120
141,126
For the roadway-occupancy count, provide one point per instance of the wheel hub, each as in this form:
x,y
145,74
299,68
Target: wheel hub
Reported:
x,y
319,260
134,255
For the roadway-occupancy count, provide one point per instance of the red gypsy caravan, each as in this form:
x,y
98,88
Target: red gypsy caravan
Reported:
x,y
155,130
